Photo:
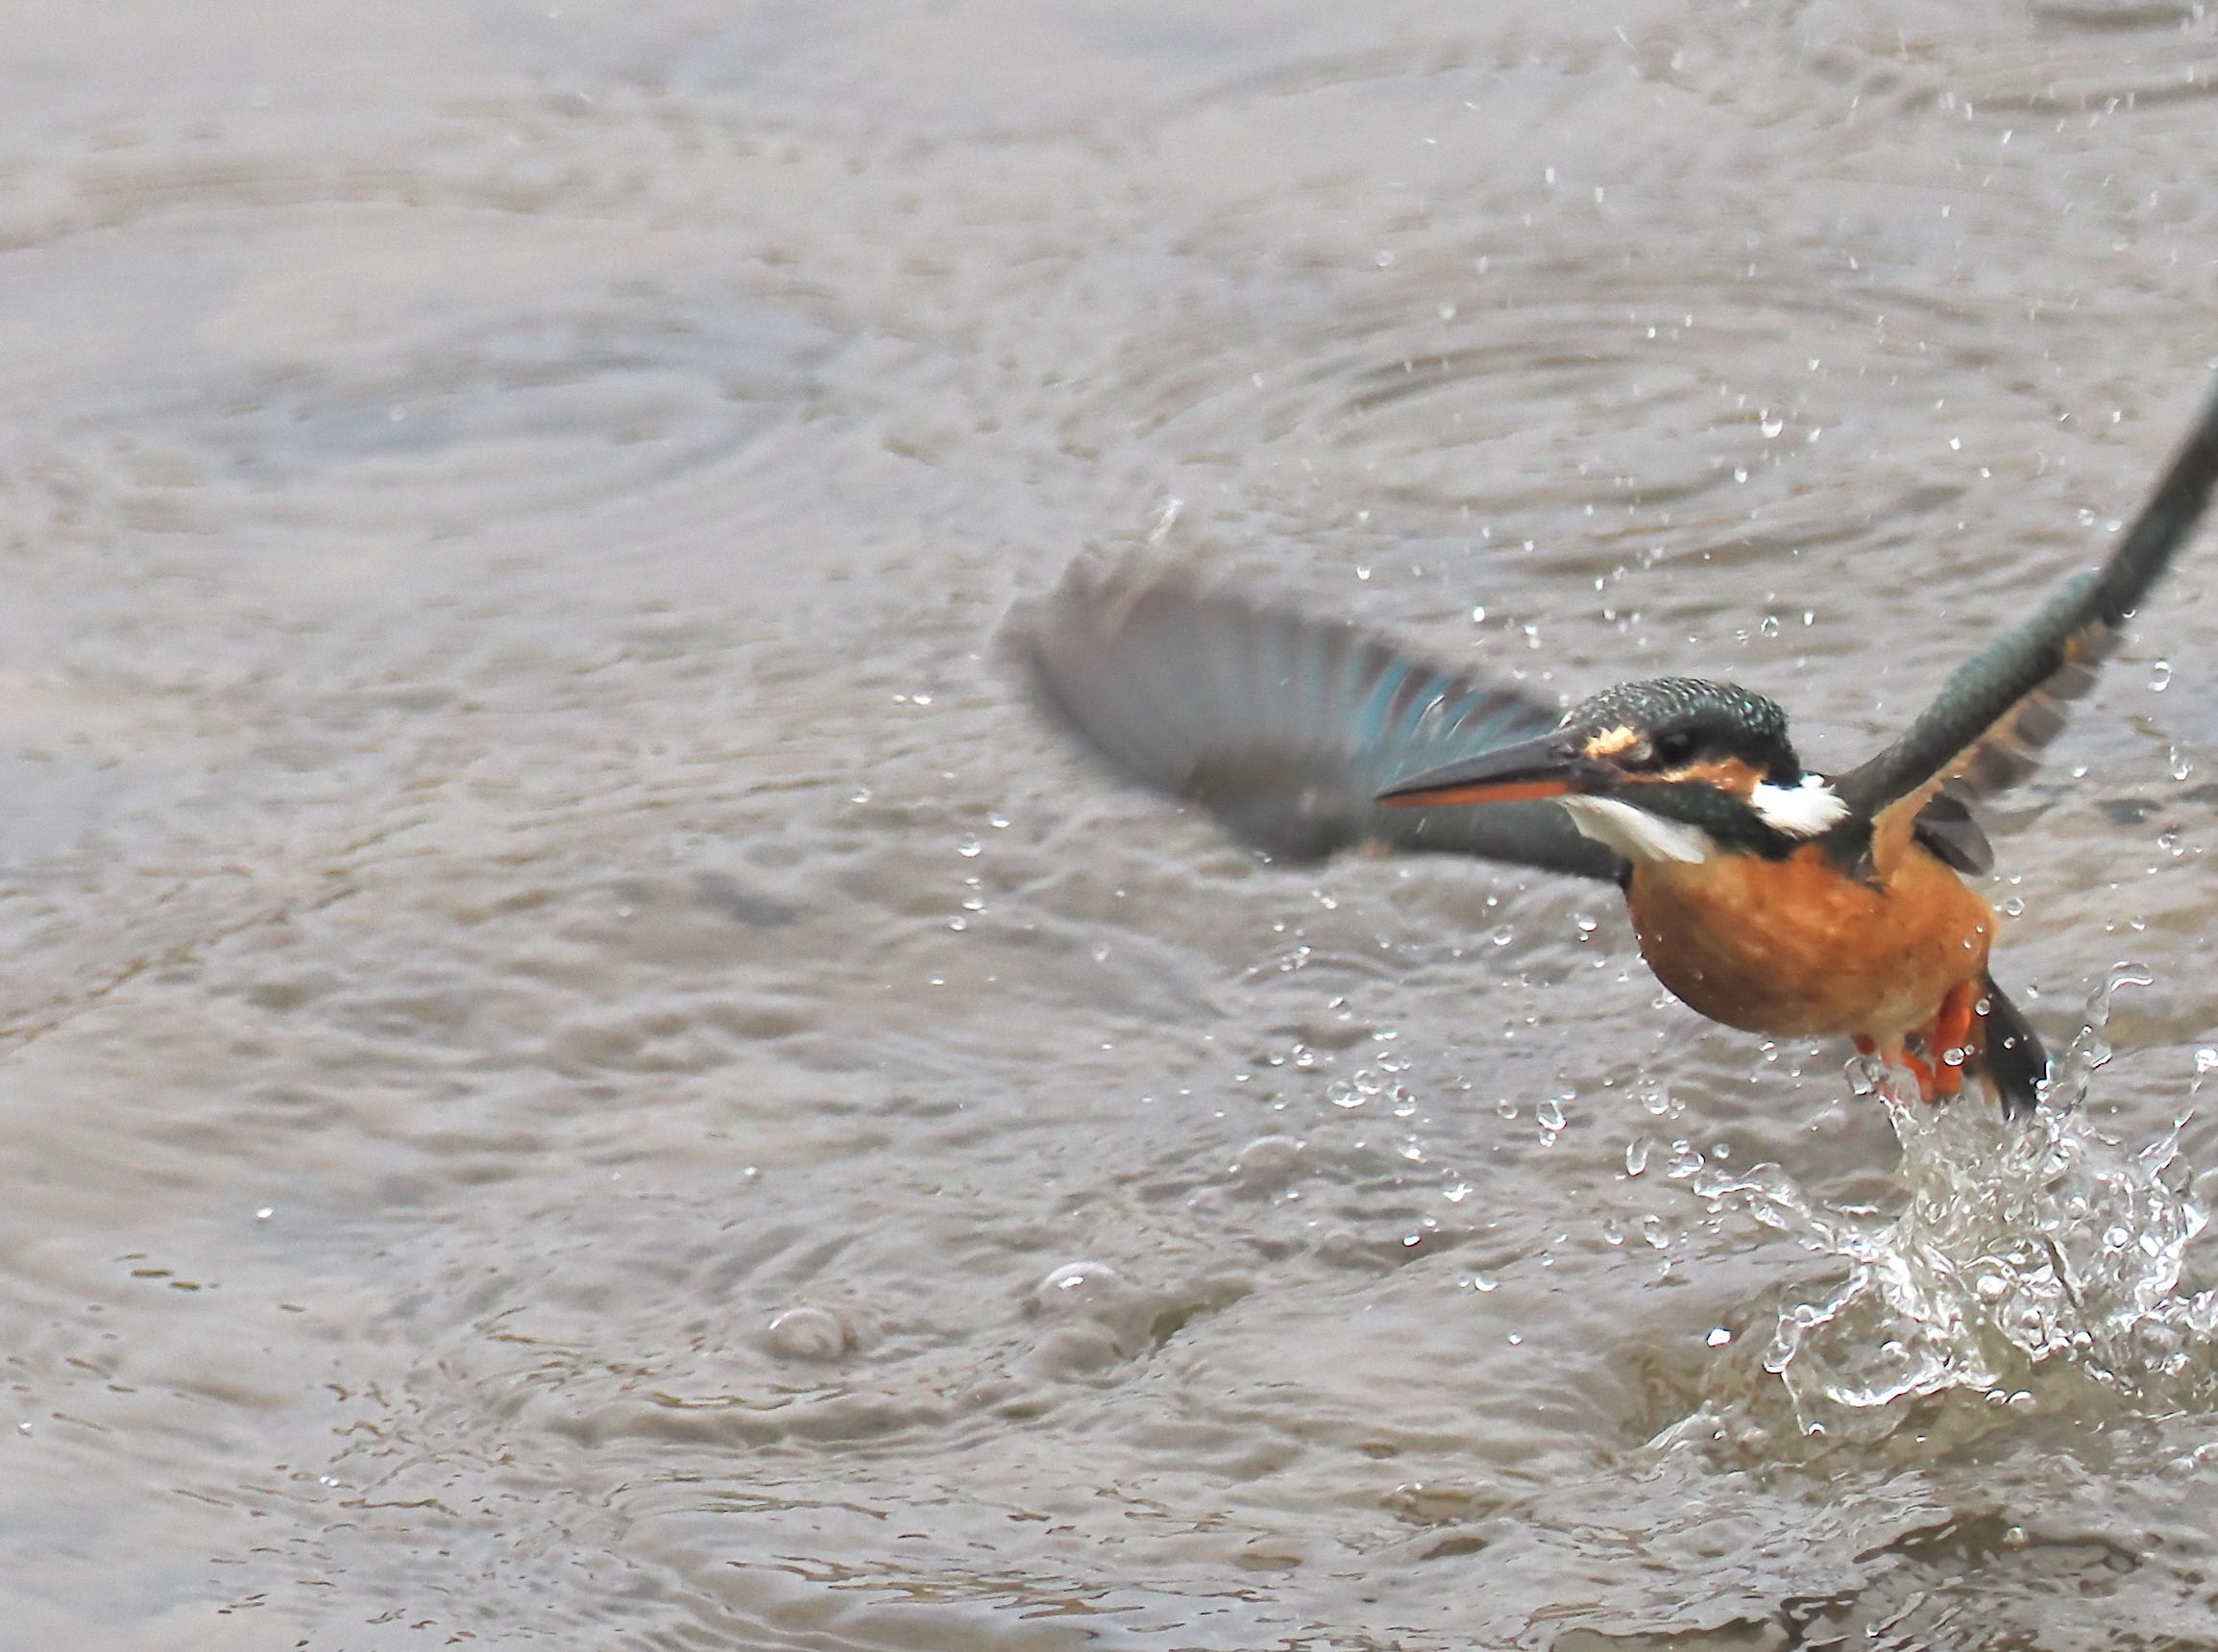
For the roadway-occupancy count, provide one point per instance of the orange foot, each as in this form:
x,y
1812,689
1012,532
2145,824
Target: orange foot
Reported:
x,y
1949,1033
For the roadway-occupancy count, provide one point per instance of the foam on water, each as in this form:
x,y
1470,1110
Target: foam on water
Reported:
x,y
2030,1263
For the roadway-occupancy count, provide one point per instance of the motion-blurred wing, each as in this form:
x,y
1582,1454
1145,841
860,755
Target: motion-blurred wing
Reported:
x,y
1283,726
1985,732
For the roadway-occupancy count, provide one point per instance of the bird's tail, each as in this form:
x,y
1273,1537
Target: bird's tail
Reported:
x,y
2011,1059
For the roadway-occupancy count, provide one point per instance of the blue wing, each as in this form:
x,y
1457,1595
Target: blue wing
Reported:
x,y
1285,727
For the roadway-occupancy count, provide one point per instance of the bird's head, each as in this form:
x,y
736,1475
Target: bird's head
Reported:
x,y
1675,768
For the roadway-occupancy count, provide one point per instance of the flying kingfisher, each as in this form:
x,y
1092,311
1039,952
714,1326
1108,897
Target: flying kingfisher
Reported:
x,y
1765,896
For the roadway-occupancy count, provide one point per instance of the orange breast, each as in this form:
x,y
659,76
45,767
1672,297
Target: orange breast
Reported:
x,y
1795,949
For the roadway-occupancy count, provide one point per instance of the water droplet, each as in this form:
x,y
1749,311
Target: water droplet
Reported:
x,y
2159,676
1652,1230
1078,1280
1484,1283
809,1334
1770,424
1636,1155
1548,1115
1719,1337
1268,1159
969,847
861,795
958,922
1505,1109
997,821
1504,935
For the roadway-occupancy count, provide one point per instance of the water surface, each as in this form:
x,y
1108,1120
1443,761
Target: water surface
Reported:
x,y
580,1070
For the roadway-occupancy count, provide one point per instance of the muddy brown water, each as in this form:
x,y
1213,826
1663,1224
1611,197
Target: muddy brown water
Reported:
x,y
581,1072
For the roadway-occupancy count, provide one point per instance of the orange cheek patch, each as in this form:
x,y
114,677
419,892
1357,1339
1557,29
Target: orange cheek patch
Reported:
x,y
1495,791
1726,773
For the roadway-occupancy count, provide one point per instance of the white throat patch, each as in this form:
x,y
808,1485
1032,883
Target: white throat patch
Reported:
x,y
1798,811
1636,834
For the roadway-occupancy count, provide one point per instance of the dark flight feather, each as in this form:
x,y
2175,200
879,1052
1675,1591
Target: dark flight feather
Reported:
x,y
1986,731
1283,726
2015,1064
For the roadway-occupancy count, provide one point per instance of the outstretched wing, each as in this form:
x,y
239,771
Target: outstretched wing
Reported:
x,y
1283,726
1985,732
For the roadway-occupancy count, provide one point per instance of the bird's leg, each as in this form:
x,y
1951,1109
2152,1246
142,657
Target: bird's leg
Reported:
x,y
1951,1034
1900,1055
1929,1082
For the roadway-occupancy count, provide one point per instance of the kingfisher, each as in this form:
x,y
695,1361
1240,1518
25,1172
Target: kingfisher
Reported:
x,y
1764,895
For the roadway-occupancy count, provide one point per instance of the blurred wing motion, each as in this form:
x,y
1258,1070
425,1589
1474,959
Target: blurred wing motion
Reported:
x,y
1986,731
1283,726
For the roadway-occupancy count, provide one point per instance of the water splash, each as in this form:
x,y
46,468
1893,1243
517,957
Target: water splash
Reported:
x,y
2031,1260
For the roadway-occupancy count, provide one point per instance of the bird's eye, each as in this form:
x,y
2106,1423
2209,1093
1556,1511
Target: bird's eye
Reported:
x,y
1672,748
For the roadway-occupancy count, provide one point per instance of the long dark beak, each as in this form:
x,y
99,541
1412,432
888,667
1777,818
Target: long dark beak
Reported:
x,y
1548,766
